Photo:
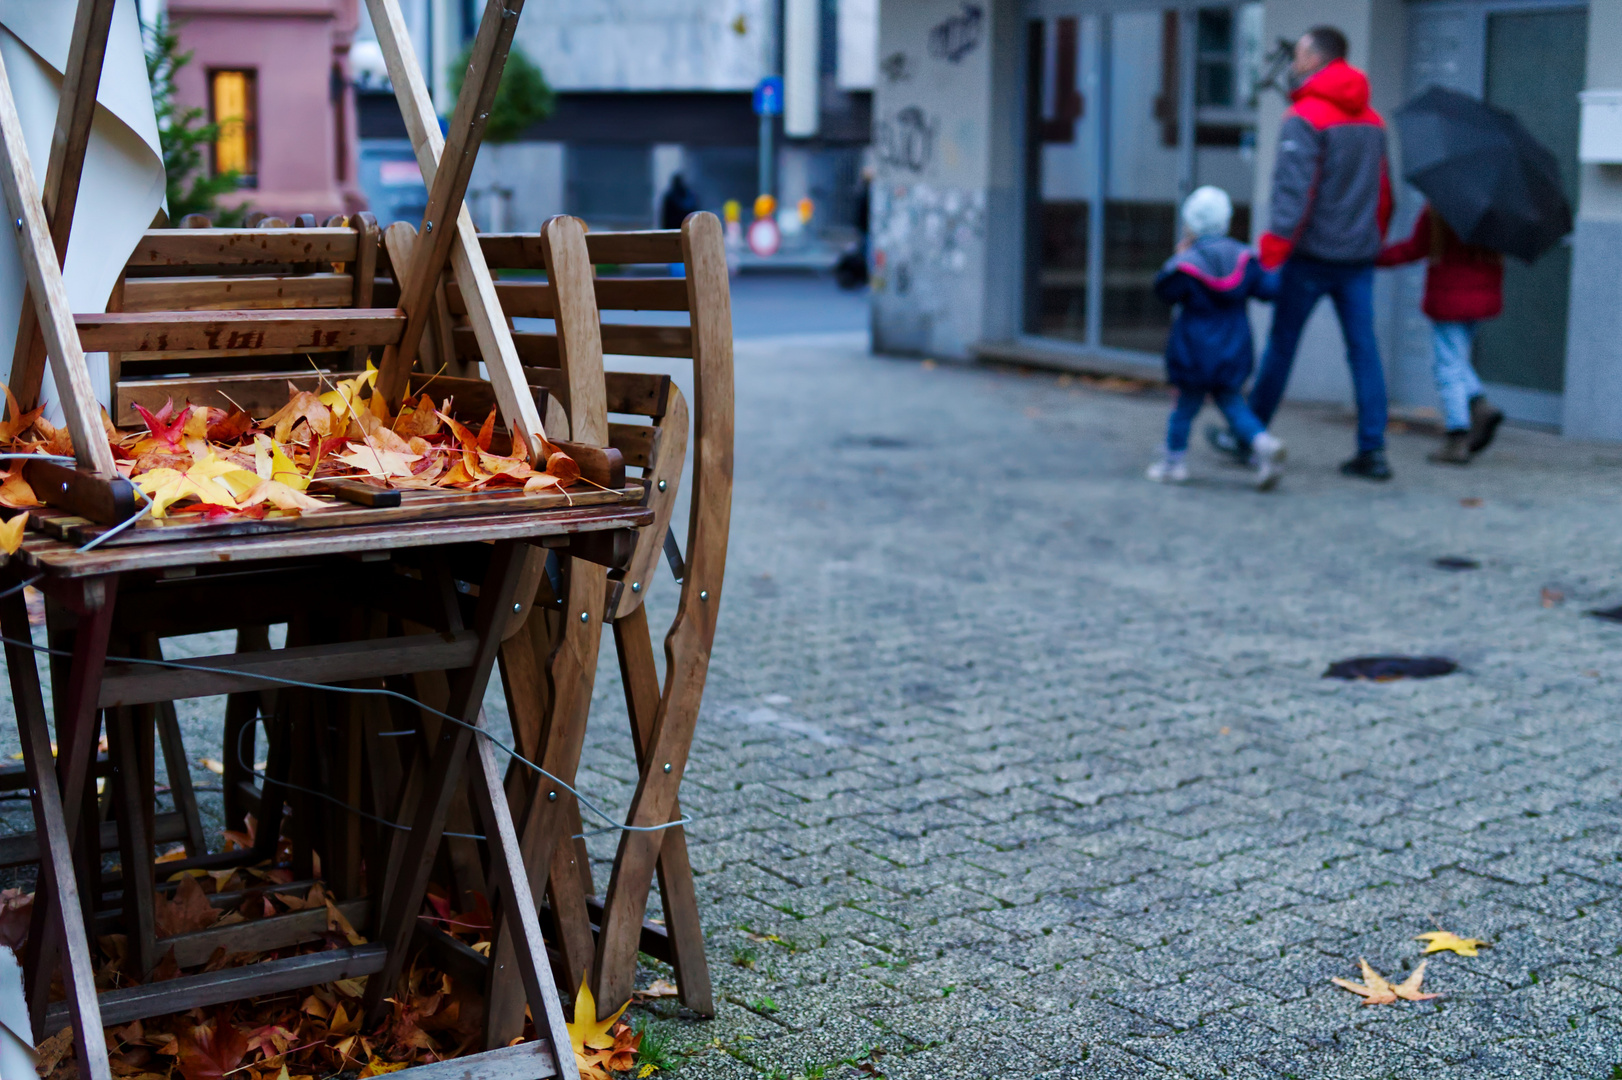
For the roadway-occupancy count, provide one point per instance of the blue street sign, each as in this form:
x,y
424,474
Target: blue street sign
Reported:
x,y
769,96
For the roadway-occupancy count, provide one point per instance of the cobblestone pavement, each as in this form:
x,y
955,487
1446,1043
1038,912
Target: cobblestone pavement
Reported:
x,y
1029,766
1014,764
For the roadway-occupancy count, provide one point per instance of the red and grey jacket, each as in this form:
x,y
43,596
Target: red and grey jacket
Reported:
x,y
1463,282
1331,192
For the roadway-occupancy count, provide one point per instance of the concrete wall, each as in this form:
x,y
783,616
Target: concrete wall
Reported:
x,y
1375,30
945,213
650,44
1593,399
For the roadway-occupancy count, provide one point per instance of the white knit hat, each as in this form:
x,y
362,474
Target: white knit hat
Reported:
x,y
1207,211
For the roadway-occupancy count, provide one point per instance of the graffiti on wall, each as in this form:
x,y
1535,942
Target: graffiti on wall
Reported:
x,y
906,140
956,37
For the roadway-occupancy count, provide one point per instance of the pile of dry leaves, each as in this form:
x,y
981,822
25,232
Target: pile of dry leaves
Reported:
x,y
308,1034
227,464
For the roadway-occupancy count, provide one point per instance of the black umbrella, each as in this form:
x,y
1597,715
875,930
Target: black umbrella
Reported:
x,y
1494,183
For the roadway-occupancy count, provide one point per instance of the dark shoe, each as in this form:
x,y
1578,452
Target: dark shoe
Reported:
x,y
1455,449
1484,421
1223,441
1369,464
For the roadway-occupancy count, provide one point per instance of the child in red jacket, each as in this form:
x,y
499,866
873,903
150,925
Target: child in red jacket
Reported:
x,y
1464,284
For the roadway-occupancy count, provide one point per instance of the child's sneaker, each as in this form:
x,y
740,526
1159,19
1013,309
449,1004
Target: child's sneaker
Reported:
x,y
1168,472
1267,458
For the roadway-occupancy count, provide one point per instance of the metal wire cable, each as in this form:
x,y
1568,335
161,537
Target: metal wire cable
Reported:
x,y
613,825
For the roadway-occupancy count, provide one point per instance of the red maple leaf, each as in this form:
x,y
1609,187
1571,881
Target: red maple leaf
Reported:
x,y
171,432
210,1051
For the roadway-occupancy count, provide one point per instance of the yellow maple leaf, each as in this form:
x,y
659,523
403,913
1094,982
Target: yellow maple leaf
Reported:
x,y
168,486
271,462
588,1031
1443,940
376,1067
11,533
342,397
1375,990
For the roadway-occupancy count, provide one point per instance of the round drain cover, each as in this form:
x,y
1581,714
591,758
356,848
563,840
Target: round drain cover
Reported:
x,y
1391,668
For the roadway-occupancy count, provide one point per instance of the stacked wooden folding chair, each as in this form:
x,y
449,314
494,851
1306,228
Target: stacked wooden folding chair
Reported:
x,y
549,665
402,563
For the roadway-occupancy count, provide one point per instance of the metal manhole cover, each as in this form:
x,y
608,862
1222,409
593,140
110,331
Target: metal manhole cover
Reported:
x,y
1391,668
1456,562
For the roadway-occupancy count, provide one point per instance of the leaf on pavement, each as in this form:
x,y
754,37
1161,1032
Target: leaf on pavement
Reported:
x,y
591,1036
1443,940
660,988
1375,990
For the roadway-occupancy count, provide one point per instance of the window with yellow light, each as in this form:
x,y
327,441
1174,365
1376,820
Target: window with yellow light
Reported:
x,y
231,100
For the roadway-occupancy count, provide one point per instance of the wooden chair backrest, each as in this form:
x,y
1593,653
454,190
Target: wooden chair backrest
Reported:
x,y
655,436
268,268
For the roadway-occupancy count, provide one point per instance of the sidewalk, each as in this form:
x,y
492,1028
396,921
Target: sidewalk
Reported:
x,y
1014,764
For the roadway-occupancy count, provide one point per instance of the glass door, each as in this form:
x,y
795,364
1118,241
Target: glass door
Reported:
x,y
1129,111
1535,68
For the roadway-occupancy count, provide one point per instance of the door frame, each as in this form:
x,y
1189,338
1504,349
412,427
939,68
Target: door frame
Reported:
x,y
1098,61
1541,408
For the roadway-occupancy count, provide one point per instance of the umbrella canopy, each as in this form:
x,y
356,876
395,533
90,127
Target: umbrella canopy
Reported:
x,y
1491,181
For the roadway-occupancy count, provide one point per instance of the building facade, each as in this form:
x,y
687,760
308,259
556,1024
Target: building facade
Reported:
x,y
274,74
644,90
1031,155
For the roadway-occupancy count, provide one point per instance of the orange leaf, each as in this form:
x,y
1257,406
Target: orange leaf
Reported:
x,y
11,533
17,494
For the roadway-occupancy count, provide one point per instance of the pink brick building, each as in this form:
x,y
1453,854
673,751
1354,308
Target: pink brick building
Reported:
x,y
275,75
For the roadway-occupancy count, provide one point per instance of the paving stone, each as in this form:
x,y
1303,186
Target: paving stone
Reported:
x,y
964,728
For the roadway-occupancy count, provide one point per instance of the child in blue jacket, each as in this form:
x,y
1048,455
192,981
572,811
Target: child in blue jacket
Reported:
x,y
1210,278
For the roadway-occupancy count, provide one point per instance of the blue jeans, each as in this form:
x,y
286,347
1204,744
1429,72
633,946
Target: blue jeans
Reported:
x,y
1456,379
1232,403
1302,283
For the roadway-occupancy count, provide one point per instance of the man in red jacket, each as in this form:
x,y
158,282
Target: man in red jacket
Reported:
x,y
1464,284
1330,206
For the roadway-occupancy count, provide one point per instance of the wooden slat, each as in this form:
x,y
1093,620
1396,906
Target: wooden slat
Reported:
x,y
80,492
647,246
230,984
541,350
224,293
630,392
64,560
521,251
174,331
534,300
526,1061
243,247
24,848
259,935
635,442
139,684
259,395
50,296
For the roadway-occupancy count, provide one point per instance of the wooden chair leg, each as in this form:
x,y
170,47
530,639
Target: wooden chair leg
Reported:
x,y
242,713
641,680
175,764
124,747
57,878
444,765
545,830
664,758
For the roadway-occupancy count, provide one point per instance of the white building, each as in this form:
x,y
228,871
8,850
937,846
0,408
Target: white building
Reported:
x,y
646,89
